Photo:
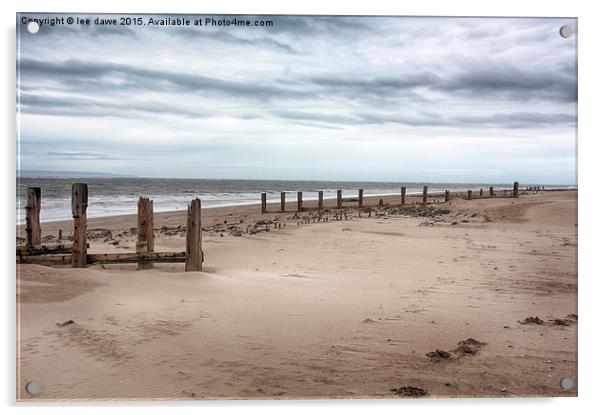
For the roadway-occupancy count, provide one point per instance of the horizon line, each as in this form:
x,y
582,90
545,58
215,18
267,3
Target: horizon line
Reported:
x,y
98,175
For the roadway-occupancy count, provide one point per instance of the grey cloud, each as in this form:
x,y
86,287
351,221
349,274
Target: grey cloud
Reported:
x,y
225,37
424,119
509,82
496,120
518,120
75,106
93,73
514,82
67,155
314,116
388,84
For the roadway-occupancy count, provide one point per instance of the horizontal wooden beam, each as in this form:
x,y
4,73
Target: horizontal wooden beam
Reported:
x,y
50,259
44,249
117,258
127,257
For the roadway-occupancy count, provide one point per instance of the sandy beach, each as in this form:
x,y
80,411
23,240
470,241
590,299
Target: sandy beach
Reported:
x,y
460,299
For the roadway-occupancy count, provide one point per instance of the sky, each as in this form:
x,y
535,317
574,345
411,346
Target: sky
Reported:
x,y
307,98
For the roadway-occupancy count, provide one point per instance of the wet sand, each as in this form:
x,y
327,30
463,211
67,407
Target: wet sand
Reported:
x,y
344,308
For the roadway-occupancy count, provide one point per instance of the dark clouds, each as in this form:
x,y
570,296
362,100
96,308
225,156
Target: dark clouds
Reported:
x,y
515,84
507,83
304,79
109,76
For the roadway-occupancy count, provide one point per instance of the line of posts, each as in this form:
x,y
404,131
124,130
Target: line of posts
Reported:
x,y
145,243
360,197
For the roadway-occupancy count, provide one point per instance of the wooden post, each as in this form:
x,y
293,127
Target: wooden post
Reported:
x,y
320,199
299,201
32,216
360,197
424,194
515,190
470,195
403,195
339,199
481,193
79,205
282,201
194,244
146,230
447,195
264,203
491,194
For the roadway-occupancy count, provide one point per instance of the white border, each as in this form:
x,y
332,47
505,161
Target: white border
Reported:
x,y
590,275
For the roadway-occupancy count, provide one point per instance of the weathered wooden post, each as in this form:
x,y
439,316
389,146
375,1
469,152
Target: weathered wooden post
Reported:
x,y
424,194
470,195
194,243
282,201
79,205
491,194
32,217
339,199
264,203
515,190
481,193
299,201
146,231
320,199
360,197
447,195
403,195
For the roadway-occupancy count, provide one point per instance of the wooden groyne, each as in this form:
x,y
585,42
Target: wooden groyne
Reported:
x,y
76,255
426,197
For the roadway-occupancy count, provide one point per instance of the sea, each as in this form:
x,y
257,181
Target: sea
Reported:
x,y
119,195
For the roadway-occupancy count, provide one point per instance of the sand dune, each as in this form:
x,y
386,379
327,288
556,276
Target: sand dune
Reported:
x,y
347,308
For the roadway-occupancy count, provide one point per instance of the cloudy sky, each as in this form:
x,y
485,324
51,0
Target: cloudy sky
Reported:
x,y
332,98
